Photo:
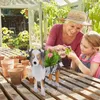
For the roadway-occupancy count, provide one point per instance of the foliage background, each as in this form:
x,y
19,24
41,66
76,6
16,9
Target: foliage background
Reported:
x,y
92,7
53,13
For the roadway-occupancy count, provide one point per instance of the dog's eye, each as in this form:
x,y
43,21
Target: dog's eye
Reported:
x,y
38,56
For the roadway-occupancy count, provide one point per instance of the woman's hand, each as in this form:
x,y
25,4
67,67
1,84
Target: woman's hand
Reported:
x,y
61,50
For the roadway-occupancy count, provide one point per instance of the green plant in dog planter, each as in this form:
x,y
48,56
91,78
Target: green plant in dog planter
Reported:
x,y
51,58
52,61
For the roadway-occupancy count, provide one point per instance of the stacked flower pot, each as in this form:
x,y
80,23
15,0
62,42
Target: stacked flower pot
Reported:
x,y
15,68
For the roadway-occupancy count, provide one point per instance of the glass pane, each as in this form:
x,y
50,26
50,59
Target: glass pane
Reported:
x,y
61,2
72,1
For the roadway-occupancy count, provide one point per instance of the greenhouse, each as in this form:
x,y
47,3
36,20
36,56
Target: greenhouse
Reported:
x,y
49,49
33,7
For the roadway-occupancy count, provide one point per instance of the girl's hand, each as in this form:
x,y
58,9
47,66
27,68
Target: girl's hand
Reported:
x,y
68,50
72,55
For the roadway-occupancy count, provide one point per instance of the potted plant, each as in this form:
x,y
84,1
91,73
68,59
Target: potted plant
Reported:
x,y
10,43
51,61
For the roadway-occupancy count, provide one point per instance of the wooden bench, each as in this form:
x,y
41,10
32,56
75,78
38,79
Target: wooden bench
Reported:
x,y
73,86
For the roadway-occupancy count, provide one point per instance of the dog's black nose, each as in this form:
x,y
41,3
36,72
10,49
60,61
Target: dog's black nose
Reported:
x,y
34,62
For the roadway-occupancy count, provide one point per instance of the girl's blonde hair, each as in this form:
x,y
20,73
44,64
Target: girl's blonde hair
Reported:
x,y
93,38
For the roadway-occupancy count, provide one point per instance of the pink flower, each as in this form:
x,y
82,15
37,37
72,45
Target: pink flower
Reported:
x,y
50,55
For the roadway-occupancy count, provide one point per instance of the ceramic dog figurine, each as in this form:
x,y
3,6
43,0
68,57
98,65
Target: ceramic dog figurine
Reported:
x,y
54,70
38,70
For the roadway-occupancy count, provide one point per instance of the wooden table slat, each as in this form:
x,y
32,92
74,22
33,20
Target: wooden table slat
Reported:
x,y
80,84
30,87
10,92
84,80
2,95
77,90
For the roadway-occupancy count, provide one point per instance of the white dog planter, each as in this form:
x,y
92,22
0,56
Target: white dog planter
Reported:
x,y
38,70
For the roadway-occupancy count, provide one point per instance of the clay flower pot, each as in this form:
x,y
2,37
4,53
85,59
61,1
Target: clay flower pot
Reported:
x,y
15,75
26,12
31,80
21,58
25,62
24,73
6,65
29,74
16,64
16,60
1,58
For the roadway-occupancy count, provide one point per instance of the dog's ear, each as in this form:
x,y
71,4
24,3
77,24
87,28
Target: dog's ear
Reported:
x,y
42,56
28,52
42,52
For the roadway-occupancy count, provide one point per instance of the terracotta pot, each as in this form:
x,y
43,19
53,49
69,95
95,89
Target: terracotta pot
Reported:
x,y
11,57
25,62
16,60
11,46
31,80
16,64
24,74
21,58
26,12
15,75
29,74
29,71
1,58
6,65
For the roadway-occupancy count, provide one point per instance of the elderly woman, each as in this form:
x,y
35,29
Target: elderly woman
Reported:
x,y
67,34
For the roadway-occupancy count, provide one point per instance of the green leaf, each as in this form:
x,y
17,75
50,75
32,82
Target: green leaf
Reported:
x,y
51,61
68,50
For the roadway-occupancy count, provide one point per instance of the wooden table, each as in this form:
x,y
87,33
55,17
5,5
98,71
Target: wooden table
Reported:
x,y
73,86
7,52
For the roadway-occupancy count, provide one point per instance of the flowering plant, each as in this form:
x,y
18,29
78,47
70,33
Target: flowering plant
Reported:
x,y
51,58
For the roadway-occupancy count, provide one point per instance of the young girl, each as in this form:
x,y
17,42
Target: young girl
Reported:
x,y
89,60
